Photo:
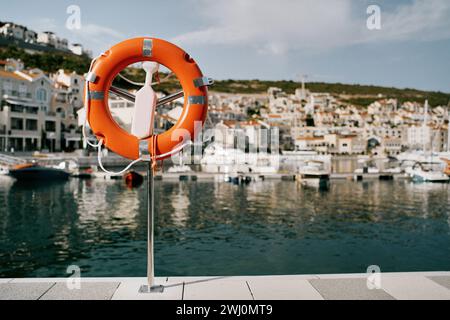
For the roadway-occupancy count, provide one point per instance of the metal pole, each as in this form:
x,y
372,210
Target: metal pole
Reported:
x,y
150,228
150,287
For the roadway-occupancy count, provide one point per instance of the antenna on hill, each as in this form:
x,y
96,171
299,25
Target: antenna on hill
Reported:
x,y
302,78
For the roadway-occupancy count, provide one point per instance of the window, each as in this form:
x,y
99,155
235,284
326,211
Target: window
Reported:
x,y
41,95
16,124
31,125
50,126
16,108
7,86
32,110
22,90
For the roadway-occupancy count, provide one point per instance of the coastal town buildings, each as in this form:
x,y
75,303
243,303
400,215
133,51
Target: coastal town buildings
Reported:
x,y
37,111
40,111
326,125
35,41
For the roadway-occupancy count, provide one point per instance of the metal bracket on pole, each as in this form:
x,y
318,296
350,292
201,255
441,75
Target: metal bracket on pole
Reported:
x,y
150,287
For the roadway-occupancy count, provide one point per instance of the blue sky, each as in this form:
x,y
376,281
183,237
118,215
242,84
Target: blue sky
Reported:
x,y
252,39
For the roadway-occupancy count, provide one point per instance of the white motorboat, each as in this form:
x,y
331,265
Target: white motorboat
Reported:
x,y
314,174
426,172
421,156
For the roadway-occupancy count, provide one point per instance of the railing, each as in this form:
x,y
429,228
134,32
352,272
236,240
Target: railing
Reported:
x,y
9,160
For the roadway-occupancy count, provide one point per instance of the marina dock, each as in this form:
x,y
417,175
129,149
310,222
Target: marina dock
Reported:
x,y
393,286
205,176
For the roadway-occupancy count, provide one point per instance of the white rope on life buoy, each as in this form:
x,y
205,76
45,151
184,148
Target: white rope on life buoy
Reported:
x,y
132,163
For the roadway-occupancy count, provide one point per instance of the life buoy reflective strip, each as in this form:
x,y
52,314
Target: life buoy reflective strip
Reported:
x,y
108,65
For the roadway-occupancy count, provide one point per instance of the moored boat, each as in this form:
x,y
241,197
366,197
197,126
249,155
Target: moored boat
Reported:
x,y
33,171
420,172
314,175
133,179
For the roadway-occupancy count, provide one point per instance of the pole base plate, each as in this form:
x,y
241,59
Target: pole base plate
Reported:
x,y
151,289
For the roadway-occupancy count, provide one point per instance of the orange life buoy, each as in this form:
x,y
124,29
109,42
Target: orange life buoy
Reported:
x,y
102,74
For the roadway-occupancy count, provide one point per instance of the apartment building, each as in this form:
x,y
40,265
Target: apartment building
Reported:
x,y
10,29
38,112
76,48
67,99
336,144
26,122
418,137
393,146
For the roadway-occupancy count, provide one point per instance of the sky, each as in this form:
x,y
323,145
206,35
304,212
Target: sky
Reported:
x,y
326,40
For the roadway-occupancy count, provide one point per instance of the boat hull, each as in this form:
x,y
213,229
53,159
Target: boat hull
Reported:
x,y
319,181
39,173
419,178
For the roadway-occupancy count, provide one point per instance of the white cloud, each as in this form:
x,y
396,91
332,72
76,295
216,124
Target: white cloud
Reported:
x,y
94,31
421,20
96,37
270,26
280,26
93,36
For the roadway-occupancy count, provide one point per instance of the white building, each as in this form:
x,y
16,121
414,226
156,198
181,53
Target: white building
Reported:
x,y
13,30
19,32
38,112
62,44
48,38
73,84
418,137
26,122
76,48
67,99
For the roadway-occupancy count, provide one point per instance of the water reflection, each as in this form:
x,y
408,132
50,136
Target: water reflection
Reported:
x,y
211,228
103,200
180,204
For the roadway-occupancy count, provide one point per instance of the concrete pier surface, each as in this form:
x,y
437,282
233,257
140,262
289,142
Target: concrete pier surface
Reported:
x,y
393,286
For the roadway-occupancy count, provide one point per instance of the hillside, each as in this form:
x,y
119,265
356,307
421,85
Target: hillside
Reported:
x,y
361,95
47,61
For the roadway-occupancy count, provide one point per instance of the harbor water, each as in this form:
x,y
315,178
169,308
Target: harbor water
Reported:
x,y
216,228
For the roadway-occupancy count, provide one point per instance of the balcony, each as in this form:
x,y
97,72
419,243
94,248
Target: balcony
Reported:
x,y
19,109
24,133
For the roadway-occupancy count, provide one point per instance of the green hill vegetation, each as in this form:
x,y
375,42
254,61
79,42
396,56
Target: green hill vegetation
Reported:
x,y
361,95
47,61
